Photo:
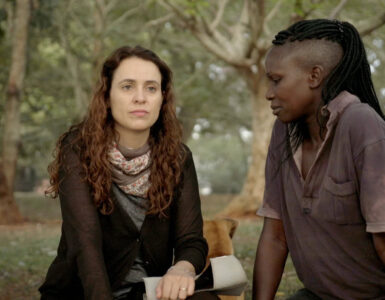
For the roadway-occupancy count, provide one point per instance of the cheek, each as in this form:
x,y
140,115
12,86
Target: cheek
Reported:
x,y
118,107
158,105
115,113
115,109
115,103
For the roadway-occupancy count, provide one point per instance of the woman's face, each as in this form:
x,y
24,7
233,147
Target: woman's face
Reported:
x,y
135,96
289,91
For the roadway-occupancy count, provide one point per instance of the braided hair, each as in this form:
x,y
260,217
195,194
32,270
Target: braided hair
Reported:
x,y
352,73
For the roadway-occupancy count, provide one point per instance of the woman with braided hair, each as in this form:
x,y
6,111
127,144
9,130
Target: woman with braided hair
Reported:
x,y
324,200
128,191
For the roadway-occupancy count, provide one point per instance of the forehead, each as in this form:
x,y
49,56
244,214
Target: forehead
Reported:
x,y
282,57
138,69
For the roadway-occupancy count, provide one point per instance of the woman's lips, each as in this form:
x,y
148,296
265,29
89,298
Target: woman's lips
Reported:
x,y
139,113
276,109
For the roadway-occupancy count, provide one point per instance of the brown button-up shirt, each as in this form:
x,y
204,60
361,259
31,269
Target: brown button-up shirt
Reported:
x,y
329,215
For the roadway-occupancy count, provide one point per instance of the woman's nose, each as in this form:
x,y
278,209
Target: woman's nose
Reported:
x,y
139,96
269,94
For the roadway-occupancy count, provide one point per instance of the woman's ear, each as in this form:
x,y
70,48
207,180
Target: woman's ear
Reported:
x,y
316,76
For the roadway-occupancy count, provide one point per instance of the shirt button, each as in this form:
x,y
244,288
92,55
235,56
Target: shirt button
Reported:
x,y
306,210
138,240
146,262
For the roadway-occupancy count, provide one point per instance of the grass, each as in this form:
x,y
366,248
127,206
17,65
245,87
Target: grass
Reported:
x,y
27,250
25,254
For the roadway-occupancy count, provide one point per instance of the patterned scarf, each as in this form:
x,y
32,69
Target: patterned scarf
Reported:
x,y
130,168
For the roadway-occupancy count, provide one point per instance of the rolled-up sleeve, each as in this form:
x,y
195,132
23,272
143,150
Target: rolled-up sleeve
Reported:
x,y
367,138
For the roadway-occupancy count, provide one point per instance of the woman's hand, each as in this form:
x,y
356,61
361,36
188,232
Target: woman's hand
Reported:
x,y
177,283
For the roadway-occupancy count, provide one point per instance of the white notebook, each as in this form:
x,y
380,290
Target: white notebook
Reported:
x,y
225,276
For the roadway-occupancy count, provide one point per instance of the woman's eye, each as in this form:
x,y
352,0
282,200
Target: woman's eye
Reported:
x,y
152,89
127,87
276,80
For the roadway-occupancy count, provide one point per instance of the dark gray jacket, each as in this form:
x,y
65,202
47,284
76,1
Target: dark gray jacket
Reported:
x,y
96,251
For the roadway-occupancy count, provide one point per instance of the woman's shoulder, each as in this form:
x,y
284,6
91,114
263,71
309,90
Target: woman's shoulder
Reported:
x,y
362,124
69,147
360,111
185,149
186,154
70,139
361,116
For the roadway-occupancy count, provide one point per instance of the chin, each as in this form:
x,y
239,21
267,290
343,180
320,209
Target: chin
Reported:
x,y
141,126
284,120
287,118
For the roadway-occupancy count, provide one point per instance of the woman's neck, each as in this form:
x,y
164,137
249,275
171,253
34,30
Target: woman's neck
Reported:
x,y
132,139
314,131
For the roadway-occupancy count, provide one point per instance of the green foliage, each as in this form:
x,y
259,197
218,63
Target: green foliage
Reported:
x,y
212,99
221,161
205,88
193,8
211,95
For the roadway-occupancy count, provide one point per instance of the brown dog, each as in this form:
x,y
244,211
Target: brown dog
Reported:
x,y
218,233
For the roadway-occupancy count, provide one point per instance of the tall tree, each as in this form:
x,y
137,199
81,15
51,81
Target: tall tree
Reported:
x,y
11,138
85,30
242,42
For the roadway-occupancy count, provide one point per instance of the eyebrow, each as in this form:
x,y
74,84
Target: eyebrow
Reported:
x,y
132,80
271,75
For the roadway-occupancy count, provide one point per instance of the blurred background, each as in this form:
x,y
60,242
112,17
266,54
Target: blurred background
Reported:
x,y
50,55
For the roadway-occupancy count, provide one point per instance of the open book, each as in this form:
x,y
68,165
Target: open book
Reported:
x,y
225,276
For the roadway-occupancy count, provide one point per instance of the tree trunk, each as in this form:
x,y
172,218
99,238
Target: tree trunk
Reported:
x,y
250,198
11,137
83,83
243,44
99,31
9,211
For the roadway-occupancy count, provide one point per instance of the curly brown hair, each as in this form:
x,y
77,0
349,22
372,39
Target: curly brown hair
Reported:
x,y
93,136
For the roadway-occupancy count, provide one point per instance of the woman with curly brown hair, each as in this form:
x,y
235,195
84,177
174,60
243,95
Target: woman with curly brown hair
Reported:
x,y
128,191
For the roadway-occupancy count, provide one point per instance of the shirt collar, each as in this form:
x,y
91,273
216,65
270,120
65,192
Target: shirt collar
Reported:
x,y
336,107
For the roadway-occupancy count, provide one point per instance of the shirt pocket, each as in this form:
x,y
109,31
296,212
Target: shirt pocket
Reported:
x,y
344,201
